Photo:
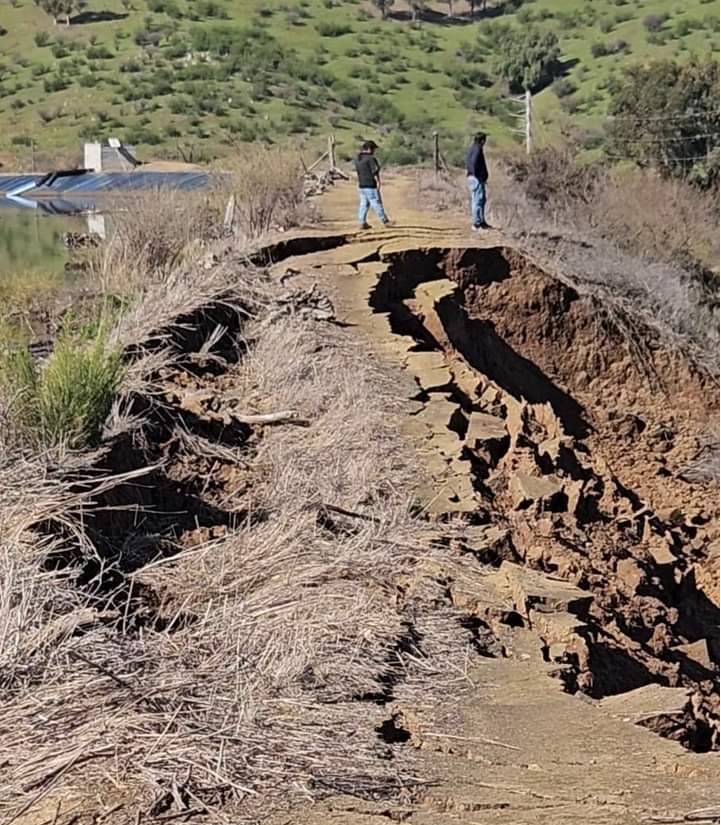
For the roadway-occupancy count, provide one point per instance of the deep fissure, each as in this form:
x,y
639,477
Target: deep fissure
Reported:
x,y
439,299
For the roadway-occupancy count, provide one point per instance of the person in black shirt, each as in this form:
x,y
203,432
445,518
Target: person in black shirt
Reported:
x,y
369,185
477,172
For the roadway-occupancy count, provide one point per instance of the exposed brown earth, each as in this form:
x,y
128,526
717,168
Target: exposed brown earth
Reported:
x,y
564,569
572,437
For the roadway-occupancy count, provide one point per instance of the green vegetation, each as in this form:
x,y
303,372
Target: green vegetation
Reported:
x,y
68,400
677,105
191,79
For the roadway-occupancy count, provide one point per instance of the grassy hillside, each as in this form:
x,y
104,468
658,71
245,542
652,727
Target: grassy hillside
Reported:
x,y
192,78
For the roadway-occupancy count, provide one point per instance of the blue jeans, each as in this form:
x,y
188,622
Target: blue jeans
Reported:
x,y
370,198
478,200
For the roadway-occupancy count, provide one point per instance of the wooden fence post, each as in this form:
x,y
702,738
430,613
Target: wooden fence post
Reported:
x,y
331,152
436,154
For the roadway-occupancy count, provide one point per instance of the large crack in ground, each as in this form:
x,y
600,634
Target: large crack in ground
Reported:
x,y
565,439
557,512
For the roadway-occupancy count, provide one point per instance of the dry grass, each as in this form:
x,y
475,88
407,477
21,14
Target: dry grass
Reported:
x,y
267,184
666,220
152,234
248,695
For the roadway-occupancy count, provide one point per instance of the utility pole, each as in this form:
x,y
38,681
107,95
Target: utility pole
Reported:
x,y
529,122
525,115
331,153
436,154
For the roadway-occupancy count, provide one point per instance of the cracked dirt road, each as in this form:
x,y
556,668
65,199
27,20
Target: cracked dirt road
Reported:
x,y
537,429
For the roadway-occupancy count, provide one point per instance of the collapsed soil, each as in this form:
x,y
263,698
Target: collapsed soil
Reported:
x,y
557,585
580,433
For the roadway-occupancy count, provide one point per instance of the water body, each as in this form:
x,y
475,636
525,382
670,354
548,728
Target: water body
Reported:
x,y
32,241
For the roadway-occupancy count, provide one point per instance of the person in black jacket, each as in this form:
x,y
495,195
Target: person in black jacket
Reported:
x,y
477,172
369,185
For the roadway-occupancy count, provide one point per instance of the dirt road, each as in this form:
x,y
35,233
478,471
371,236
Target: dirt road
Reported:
x,y
541,428
466,576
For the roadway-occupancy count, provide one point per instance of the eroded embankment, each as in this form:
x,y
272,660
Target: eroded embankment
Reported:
x,y
577,428
244,611
222,602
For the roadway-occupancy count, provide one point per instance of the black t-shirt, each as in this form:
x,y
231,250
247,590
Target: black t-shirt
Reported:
x,y
367,168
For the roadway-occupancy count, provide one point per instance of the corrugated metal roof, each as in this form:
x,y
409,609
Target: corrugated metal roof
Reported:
x,y
8,183
48,206
107,182
97,182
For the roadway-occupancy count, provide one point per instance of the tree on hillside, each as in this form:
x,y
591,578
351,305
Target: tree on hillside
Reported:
x,y
528,58
384,6
61,8
665,115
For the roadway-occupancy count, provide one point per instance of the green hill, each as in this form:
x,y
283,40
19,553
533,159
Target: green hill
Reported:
x,y
191,79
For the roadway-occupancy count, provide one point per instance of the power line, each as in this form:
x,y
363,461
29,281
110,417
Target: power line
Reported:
x,y
679,139
671,159
669,118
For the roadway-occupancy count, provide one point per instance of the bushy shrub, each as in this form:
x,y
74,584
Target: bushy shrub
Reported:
x,y
140,134
41,39
379,110
268,186
55,83
528,58
682,27
180,105
169,7
207,9
328,28
654,22
147,37
68,400
563,87
59,50
99,53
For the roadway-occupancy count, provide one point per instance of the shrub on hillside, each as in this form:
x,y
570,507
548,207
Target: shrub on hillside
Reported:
x,y
379,111
180,105
682,27
55,83
59,50
666,116
654,22
135,135
527,58
551,175
169,7
563,87
41,39
98,53
328,28
207,9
